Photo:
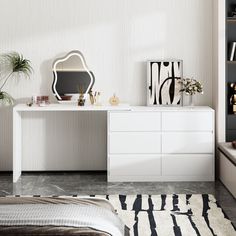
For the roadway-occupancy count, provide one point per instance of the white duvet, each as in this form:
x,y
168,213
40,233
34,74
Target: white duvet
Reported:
x,y
71,215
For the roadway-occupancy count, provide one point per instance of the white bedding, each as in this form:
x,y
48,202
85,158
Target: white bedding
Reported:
x,y
71,215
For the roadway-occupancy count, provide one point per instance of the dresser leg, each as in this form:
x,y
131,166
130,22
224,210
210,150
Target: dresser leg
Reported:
x,y
17,145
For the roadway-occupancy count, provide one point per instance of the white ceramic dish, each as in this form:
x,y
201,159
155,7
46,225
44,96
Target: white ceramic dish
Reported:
x,y
74,96
68,102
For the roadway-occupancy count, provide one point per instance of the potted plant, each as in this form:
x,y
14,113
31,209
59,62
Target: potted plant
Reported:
x,y
190,87
15,64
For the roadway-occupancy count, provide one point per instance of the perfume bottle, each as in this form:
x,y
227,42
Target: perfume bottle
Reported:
x,y
114,100
97,99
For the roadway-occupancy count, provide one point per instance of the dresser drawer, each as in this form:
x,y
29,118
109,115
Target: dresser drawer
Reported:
x,y
135,165
188,142
135,142
187,121
187,165
134,121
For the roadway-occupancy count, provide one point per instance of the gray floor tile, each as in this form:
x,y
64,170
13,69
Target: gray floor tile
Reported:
x,y
85,183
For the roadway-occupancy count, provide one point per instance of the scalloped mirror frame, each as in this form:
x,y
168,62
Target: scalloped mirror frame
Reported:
x,y
63,59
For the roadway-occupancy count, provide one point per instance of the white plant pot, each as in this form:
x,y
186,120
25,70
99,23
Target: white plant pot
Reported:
x,y
188,100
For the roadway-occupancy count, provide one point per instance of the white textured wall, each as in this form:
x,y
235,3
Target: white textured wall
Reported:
x,y
219,58
116,38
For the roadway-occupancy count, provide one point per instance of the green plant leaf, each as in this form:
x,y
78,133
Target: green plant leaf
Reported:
x,y
6,99
18,63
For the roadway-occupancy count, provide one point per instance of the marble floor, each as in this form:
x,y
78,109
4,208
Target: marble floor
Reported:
x,y
95,183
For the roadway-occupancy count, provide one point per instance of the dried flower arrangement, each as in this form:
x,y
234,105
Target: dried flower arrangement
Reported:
x,y
191,86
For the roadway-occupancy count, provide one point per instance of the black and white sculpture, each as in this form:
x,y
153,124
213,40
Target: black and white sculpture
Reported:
x,y
163,87
71,76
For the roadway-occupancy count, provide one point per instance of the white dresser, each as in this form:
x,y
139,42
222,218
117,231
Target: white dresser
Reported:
x,y
143,143
161,144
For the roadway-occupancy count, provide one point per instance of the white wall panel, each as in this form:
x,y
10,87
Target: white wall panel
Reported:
x,y
219,58
116,37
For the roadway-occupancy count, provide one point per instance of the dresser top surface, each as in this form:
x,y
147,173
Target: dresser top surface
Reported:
x,y
122,107
171,108
70,107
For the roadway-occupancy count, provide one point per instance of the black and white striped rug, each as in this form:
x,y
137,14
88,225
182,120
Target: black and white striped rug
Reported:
x,y
171,215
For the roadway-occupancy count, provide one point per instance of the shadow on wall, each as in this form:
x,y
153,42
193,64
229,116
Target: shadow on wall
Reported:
x,y
55,15
47,79
140,85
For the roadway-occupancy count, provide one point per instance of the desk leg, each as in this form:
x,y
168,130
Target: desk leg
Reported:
x,y
17,145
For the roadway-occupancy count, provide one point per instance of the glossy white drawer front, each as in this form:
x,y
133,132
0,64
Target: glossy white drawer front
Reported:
x,y
187,165
135,121
135,142
187,121
189,142
135,165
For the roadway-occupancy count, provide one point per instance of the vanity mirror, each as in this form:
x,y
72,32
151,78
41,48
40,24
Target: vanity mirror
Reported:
x,y
72,77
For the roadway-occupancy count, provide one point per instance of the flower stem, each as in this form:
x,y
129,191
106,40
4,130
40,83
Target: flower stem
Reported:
x,y
6,80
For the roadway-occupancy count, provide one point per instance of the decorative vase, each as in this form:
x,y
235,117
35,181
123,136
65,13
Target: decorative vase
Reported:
x,y
191,100
188,100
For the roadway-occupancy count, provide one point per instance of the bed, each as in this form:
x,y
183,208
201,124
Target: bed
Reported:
x,y
59,216
227,166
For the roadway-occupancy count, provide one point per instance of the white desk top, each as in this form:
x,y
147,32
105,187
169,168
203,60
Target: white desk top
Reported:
x,y
122,107
70,107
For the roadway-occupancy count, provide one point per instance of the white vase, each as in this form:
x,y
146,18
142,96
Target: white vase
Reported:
x,y
188,100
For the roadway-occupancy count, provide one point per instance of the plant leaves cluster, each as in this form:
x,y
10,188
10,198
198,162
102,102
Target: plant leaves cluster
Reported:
x,y
17,64
6,98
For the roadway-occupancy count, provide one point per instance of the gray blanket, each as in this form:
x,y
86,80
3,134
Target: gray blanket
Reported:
x,y
78,213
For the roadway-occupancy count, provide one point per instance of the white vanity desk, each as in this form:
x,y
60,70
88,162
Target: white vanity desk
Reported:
x,y
17,128
144,143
